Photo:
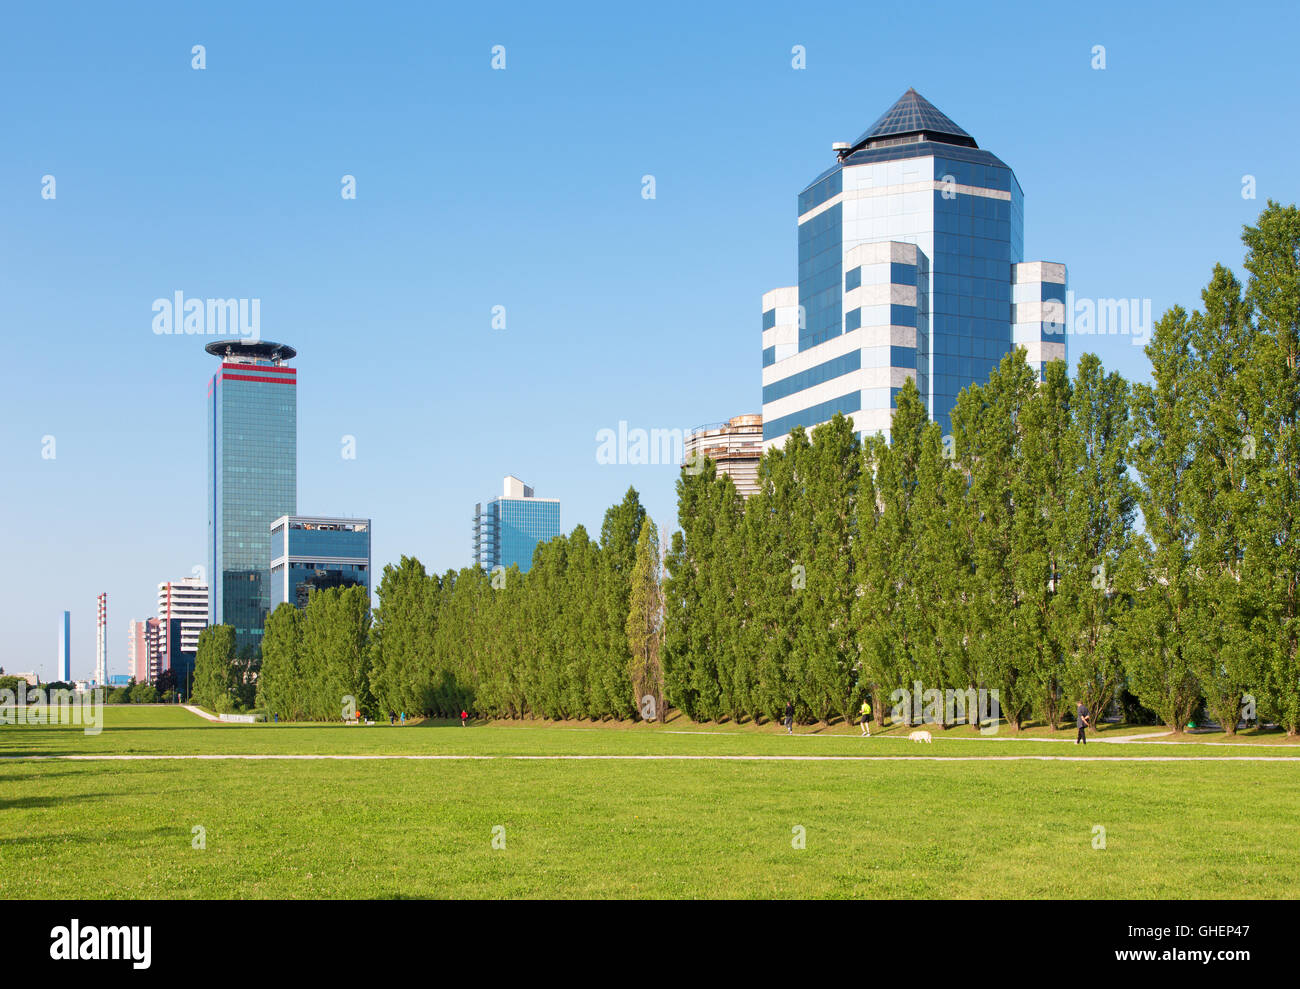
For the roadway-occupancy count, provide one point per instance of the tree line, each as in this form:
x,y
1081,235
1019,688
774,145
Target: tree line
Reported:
x,y
1066,539
554,642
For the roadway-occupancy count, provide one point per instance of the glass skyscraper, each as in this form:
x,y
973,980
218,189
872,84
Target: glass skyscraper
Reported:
x,y
252,477
508,529
911,264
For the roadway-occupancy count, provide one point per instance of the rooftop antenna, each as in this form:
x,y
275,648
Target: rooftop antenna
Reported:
x,y
841,149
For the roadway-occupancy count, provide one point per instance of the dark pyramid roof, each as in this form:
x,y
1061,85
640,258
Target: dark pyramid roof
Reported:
x,y
914,114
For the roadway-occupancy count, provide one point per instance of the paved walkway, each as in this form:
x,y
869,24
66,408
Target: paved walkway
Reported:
x,y
959,738
201,713
106,757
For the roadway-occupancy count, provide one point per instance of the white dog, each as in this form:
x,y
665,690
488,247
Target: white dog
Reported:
x,y
920,736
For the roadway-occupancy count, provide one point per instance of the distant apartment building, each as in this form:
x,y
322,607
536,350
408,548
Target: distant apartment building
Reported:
x,y
310,553
183,604
137,654
507,529
736,446
147,655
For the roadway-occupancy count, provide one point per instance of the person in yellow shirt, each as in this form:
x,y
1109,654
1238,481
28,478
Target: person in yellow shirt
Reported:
x,y
866,718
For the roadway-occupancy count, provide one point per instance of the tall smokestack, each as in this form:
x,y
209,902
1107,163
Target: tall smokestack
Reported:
x,y
101,641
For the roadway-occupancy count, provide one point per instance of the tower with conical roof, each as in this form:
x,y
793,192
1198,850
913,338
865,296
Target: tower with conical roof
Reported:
x,y
911,265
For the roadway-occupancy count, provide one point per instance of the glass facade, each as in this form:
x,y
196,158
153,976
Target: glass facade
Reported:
x,y
252,481
909,242
508,529
821,249
976,241
309,554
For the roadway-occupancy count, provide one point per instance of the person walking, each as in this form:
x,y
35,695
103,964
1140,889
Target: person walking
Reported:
x,y
866,718
463,715
789,717
1081,718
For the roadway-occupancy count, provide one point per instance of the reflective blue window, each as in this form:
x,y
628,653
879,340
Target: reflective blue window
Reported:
x,y
820,284
813,416
252,481
507,531
902,274
902,357
902,315
813,376
821,190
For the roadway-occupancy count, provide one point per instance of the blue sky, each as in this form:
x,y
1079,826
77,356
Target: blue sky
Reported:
x,y
520,188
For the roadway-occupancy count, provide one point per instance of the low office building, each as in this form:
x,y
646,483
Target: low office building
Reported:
x,y
736,446
310,553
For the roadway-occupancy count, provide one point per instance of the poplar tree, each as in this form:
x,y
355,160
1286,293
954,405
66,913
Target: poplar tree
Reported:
x,y
402,635
645,625
766,579
823,635
1095,543
1042,474
885,611
781,565
989,428
1222,499
1273,260
214,676
619,532
281,681
1159,628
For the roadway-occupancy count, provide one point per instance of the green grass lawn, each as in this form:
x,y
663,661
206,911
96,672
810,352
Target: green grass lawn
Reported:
x,y
621,828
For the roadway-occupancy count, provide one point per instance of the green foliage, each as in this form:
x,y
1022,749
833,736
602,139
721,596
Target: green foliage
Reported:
x,y
1070,540
214,670
12,683
645,624
1273,555
143,693
282,684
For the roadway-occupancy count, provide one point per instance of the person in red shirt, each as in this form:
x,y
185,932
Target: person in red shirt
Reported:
x,y
463,715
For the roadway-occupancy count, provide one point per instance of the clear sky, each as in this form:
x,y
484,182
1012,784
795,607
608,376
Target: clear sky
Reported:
x,y
520,188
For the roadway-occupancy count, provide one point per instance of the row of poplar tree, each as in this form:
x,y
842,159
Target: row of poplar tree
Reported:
x,y
575,637
1065,540
1068,539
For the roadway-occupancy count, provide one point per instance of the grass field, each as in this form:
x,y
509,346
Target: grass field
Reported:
x,y
693,812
